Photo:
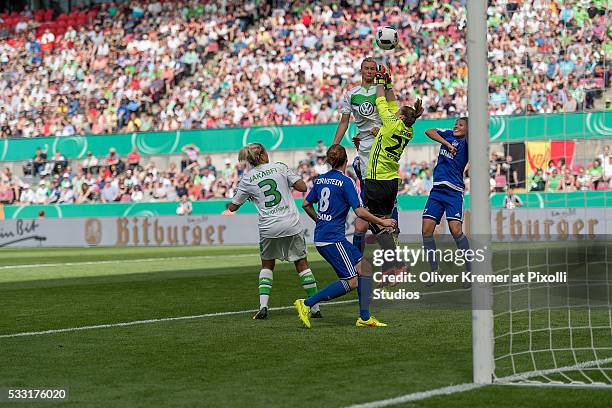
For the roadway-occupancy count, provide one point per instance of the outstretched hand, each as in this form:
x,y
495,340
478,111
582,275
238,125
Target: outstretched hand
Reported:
x,y
413,113
418,108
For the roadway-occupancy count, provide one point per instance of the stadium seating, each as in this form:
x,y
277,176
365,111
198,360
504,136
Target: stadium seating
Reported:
x,y
276,66
208,65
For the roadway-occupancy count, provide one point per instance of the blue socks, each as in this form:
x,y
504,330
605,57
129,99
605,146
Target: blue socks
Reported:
x,y
463,244
358,241
429,243
364,290
395,216
331,291
339,288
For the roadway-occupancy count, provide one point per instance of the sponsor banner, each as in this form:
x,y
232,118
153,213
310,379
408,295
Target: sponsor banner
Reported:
x,y
506,225
502,128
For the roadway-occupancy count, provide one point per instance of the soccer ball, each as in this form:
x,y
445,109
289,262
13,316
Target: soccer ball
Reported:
x,y
386,37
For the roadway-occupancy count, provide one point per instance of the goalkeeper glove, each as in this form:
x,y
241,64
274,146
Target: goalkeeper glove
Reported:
x,y
388,82
383,74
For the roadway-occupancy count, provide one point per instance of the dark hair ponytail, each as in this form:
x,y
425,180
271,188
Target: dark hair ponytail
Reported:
x,y
336,156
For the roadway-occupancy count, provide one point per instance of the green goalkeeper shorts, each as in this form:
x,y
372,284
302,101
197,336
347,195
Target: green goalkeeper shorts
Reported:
x,y
291,248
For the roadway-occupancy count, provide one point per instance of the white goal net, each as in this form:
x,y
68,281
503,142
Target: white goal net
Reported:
x,y
555,333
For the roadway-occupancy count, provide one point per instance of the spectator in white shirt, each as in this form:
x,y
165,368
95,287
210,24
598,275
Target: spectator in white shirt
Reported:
x,y
48,37
42,193
27,195
208,178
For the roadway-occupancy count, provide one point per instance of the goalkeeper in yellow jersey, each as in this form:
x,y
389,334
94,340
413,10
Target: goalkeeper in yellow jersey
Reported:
x,y
382,178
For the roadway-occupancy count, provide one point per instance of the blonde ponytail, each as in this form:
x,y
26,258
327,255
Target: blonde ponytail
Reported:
x,y
251,153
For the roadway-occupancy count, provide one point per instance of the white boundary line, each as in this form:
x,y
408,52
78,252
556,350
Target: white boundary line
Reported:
x,y
149,321
113,261
510,380
523,378
170,319
417,396
556,385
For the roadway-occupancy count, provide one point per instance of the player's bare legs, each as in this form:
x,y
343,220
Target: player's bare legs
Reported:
x,y
455,227
268,264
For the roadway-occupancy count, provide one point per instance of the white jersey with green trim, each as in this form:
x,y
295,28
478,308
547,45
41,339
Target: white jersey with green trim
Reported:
x,y
269,187
361,102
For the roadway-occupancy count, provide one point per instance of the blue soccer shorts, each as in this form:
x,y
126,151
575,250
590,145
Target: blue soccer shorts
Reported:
x,y
444,199
342,256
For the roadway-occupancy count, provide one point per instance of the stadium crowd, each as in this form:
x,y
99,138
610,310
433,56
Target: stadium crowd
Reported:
x,y
152,65
132,179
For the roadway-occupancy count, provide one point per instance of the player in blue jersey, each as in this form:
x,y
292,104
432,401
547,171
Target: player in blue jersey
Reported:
x,y
446,196
335,193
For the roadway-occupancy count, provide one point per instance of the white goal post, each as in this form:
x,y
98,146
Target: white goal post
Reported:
x,y
531,334
482,297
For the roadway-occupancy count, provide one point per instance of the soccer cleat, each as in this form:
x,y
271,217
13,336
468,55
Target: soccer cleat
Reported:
x,y
262,314
303,312
371,322
316,315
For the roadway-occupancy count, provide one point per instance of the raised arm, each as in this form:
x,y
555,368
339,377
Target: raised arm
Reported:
x,y
391,101
387,117
434,135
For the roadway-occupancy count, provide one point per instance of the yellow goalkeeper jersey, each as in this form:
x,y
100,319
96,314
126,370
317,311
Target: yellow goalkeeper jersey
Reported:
x,y
389,143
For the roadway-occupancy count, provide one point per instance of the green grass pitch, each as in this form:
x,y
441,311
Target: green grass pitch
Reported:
x,y
227,360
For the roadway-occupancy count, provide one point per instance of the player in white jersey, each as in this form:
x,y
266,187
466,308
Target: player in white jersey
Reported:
x,y
360,101
281,235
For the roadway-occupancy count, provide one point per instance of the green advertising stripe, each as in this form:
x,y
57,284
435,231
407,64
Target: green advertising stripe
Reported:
x,y
215,207
502,128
